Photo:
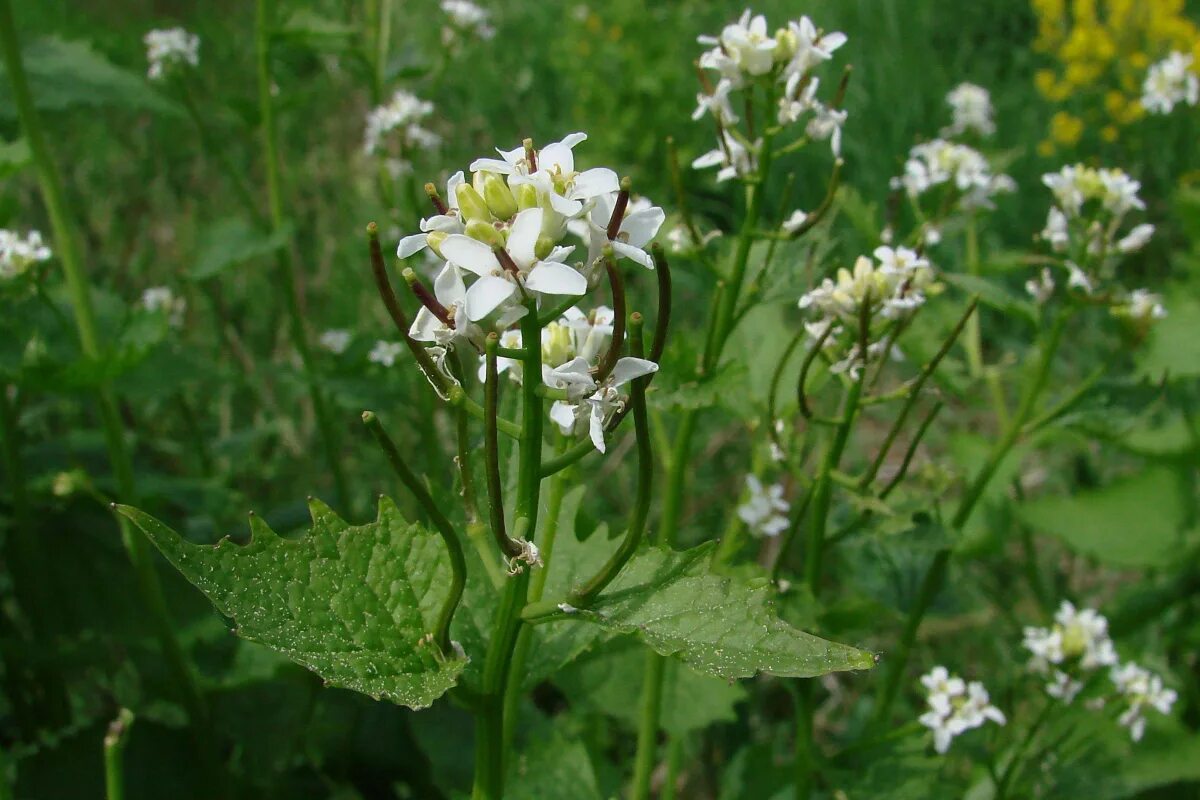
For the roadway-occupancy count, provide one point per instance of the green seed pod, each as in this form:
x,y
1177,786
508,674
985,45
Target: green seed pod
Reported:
x,y
485,232
499,197
471,205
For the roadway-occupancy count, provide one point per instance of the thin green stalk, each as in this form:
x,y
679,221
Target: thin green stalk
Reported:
x,y
65,232
287,270
1017,763
490,754
651,708
823,487
587,593
935,576
974,341
114,752
804,757
458,562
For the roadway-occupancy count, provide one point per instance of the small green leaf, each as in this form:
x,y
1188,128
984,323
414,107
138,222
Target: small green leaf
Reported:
x,y
1134,522
66,74
717,625
1172,347
234,241
351,603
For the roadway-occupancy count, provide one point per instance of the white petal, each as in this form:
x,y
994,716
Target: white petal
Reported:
x,y
642,225
596,427
486,294
424,325
568,208
594,182
571,139
550,277
523,236
832,41
560,253
562,414
470,254
491,165
629,368
411,244
634,253
452,185
556,156
448,286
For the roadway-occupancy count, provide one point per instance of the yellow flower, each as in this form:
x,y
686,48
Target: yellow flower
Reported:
x,y
1066,129
1109,133
1046,148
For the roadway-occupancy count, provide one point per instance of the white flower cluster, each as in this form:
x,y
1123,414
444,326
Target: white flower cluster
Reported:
x,y
167,49
1139,689
955,707
465,18
1076,647
765,510
890,290
18,253
160,299
1170,82
1085,224
506,230
971,107
403,113
944,163
746,54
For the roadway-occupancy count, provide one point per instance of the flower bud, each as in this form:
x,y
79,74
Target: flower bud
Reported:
x,y
785,44
543,246
527,196
485,232
499,197
557,344
434,240
471,205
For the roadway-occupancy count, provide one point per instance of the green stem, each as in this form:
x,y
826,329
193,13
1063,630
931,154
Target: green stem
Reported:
x,y
1017,763
64,228
287,270
974,341
458,562
651,709
935,576
490,753
804,764
114,752
818,519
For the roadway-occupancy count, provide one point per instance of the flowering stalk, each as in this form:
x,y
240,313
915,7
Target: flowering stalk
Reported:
x,y
586,594
935,576
283,260
458,564
491,451
136,547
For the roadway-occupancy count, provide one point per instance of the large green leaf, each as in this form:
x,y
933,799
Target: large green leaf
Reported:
x,y
354,604
1173,348
66,74
1134,522
720,626
233,241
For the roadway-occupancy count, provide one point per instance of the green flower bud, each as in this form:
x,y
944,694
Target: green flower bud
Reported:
x,y
471,205
543,246
485,232
499,197
527,196
557,344
785,44
434,240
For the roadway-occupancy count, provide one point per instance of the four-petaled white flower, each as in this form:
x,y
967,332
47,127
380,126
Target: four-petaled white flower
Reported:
x,y
765,510
638,226
1140,689
587,400
18,253
385,353
734,158
1169,83
451,293
955,707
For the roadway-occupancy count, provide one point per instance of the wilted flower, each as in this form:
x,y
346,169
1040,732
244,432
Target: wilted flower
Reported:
x,y
402,113
18,254
765,510
972,109
336,340
167,49
385,353
1140,689
955,707
1170,82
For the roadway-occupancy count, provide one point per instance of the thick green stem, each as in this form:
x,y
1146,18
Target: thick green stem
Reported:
x,y
458,562
287,270
935,576
66,243
490,753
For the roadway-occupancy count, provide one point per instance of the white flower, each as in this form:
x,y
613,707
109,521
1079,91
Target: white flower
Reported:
x,y
402,113
385,353
812,46
827,123
17,253
1064,687
441,225
336,340
972,110
555,176
1170,82
1077,643
1075,185
468,16
587,400
743,46
1142,306
166,49
1041,288
161,299
794,221
716,103
941,162
638,226
765,510
451,293
734,159
1136,239
955,707
1057,232
1140,689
